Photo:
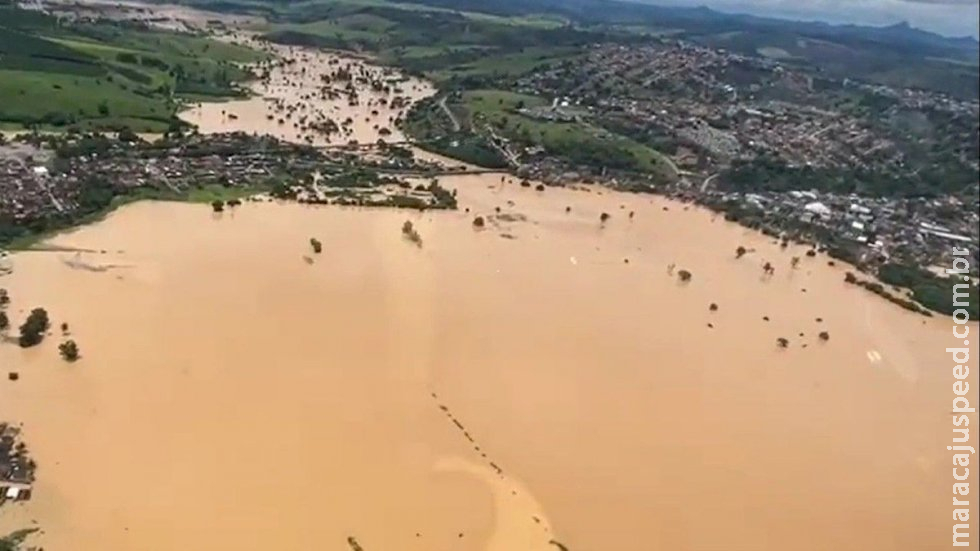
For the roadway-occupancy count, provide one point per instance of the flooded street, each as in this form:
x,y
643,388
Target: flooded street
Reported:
x,y
492,390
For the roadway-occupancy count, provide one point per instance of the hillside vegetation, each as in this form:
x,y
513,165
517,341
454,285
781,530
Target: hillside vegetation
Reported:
x,y
470,48
107,75
429,34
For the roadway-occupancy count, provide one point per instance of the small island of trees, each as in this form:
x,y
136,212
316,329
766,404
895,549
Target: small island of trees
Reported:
x,y
410,233
33,328
4,301
69,350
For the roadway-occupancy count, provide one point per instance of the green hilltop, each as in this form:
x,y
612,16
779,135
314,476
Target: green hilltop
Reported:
x,y
107,75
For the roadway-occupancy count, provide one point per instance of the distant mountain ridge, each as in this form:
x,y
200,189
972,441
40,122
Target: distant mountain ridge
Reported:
x,y
901,35
902,29
901,32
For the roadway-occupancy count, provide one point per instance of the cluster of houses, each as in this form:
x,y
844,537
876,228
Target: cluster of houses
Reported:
x,y
919,231
730,106
36,183
16,467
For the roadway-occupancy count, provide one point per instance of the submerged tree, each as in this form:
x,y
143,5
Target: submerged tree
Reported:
x,y
317,246
740,251
33,328
4,298
478,222
218,206
604,217
15,541
4,321
782,342
824,336
410,233
684,275
69,350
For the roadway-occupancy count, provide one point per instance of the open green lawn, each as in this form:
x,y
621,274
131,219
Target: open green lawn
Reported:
x,y
509,64
421,52
492,102
90,47
334,29
215,192
536,20
53,99
425,38
577,140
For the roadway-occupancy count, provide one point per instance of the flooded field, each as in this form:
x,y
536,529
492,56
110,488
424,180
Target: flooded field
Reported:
x,y
542,378
306,91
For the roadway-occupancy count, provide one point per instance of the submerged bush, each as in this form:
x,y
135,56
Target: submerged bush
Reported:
x,y
33,328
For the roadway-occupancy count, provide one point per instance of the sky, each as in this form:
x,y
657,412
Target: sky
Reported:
x,y
948,17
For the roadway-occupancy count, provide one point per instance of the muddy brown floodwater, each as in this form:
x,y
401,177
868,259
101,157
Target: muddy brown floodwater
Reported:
x,y
293,97
232,396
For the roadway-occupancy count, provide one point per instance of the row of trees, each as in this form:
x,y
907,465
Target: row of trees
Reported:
x,y
4,301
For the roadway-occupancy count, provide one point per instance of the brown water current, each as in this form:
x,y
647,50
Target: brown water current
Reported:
x,y
232,396
294,94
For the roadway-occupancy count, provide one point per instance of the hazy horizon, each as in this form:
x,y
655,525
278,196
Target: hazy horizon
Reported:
x,y
954,18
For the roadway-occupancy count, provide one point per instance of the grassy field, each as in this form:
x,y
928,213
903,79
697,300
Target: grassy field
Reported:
x,y
58,99
300,9
423,38
507,65
576,140
421,52
107,75
363,29
214,192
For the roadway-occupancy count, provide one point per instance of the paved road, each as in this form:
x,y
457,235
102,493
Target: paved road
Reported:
x,y
498,142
